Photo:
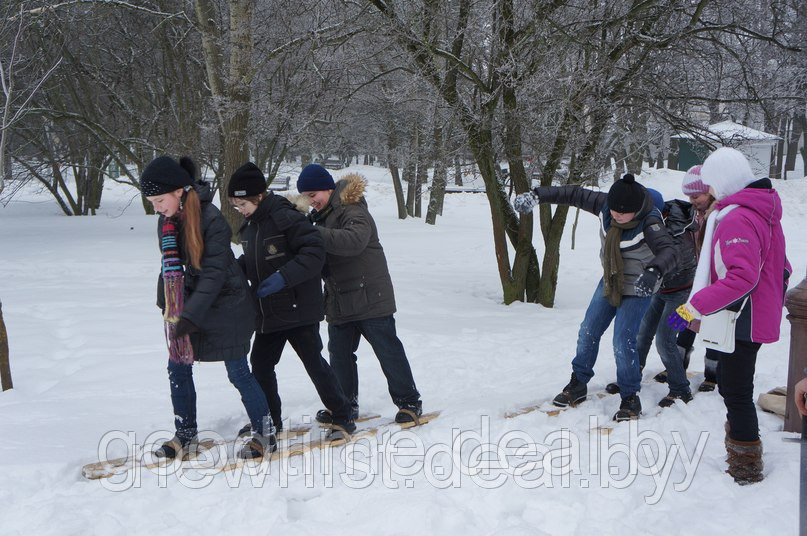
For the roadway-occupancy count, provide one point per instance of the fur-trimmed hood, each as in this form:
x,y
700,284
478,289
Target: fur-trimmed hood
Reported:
x,y
300,201
349,190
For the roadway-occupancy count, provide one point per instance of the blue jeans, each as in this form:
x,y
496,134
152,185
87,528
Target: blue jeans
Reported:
x,y
627,318
654,324
343,340
183,396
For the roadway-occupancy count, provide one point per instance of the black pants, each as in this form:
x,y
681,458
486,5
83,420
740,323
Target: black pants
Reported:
x,y
266,351
735,382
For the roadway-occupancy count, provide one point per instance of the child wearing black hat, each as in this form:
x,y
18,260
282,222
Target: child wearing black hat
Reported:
x,y
205,302
636,252
283,258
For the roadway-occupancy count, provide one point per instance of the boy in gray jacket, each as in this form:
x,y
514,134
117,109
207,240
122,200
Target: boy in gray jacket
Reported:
x,y
359,298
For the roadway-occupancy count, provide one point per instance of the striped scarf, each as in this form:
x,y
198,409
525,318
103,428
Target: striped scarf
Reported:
x,y
179,349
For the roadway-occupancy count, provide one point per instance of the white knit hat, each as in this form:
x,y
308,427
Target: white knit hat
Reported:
x,y
727,171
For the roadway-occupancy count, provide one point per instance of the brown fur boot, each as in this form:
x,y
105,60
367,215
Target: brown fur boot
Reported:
x,y
745,460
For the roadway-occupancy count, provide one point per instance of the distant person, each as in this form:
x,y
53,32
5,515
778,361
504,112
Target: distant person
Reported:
x,y
742,269
359,298
636,252
283,258
205,301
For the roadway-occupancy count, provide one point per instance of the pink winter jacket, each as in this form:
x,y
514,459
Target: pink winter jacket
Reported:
x,y
748,259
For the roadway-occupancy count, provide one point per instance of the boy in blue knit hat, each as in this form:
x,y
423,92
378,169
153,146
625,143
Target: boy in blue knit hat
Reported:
x,y
359,298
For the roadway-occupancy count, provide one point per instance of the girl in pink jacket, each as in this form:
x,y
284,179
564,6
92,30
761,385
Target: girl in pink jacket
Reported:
x,y
742,268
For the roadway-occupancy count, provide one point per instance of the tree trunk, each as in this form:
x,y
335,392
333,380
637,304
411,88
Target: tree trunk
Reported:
x,y
438,190
231,90
457,171
409,175
396,185
5,364
793,144
421,176
802,120
672,156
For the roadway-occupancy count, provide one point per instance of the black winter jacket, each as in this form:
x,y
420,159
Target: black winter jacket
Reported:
x,y
679,218
647,245
278,237
216,297
357,281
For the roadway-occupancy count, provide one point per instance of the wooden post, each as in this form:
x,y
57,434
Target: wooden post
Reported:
x,y
796,303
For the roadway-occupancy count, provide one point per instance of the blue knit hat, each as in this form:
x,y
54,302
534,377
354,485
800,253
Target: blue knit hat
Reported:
x,y
313,178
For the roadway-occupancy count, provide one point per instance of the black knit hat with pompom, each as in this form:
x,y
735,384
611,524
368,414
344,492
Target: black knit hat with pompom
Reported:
x,y
164,174
626,195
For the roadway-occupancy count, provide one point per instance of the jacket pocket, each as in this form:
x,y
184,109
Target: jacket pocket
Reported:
x,y
274,251
282,305
351,301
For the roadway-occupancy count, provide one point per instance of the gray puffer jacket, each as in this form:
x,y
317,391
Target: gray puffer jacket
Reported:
x,y
357,281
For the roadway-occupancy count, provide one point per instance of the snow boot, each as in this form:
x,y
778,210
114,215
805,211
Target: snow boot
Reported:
x,y
340,430
707,386
612,388
247,429
175,447
671,397
409,412
745,460
258,446
574,393
324,416
629,409
661,377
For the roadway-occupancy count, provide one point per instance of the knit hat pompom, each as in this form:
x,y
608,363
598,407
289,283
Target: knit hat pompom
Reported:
x,y
314,178
626,195
188,165
164,174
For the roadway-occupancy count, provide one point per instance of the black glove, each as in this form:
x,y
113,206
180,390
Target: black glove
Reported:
x,y
184,327
646,284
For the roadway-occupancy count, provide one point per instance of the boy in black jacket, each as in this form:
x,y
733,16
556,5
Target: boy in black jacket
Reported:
x,y
283,257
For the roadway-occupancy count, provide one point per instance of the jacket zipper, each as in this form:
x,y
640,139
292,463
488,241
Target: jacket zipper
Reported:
x,y
258,270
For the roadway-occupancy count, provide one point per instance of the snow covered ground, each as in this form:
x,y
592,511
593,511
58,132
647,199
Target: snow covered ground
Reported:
x,y
88,358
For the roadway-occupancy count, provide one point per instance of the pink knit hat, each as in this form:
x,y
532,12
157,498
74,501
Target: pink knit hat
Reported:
x,y
692,184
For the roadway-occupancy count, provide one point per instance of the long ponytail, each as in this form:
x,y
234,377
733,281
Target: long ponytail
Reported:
x,y
192,228
192,218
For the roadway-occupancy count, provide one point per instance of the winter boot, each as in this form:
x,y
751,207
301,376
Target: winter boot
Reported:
x,y
629,409
574,393
258,446
671,397
247,429
324,416
409,412
612,388
745,460
661,377
707,386
176,447
340,430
